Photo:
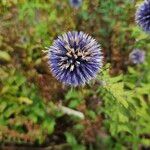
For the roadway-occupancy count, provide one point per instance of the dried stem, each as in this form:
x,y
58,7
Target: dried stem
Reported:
x,y
70,111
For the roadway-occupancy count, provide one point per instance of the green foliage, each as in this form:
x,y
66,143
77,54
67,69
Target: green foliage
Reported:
x,y
74,98
126,107
4,56
23,114
71,140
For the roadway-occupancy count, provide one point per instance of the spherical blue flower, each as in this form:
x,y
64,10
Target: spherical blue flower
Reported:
x,y
75,3
75,58
137,56
143,16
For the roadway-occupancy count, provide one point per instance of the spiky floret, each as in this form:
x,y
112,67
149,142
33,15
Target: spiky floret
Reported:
x,y
75,58
143,16
75,3
137,56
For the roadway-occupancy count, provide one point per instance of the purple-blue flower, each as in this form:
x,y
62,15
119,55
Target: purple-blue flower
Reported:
x,y
143,16
137,56
75,3
75,58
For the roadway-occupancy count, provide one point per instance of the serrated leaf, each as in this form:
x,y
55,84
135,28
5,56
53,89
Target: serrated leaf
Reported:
x,y
70,139
49,125
123,128
74,103
116,79
145,142
72,94
122,118
4,56
3,105
25,100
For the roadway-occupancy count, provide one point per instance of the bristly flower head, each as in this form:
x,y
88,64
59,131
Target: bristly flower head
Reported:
x,y
143,16
137,56
75,58
75,3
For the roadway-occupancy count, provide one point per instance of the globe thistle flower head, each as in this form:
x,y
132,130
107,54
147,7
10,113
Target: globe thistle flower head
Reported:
x,y
75,58
143,16
137,56
75,3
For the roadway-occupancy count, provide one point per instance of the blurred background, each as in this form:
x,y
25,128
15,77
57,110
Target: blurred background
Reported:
x,y
116,105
